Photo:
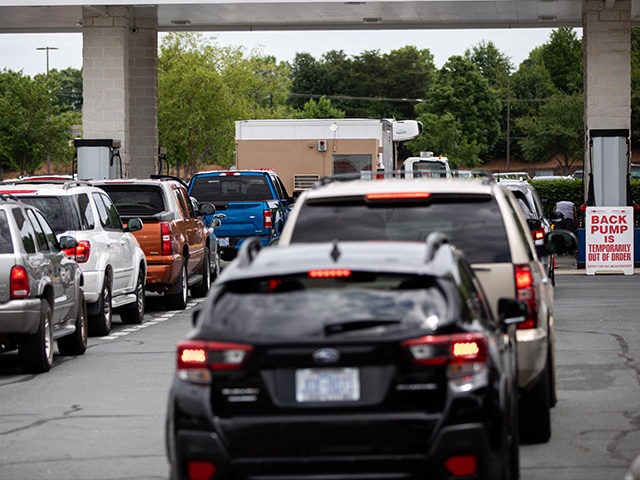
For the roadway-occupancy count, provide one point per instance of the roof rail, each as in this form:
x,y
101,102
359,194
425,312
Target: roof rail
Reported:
x,y
169,177
76,183
8,196
434,241
248,251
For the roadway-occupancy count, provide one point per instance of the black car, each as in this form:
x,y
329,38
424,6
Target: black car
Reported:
x,y
347,361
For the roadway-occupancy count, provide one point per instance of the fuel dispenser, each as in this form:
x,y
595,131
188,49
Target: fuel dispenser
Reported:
x,y
98,159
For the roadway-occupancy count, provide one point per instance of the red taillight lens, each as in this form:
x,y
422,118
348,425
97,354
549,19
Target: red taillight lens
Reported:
x,y
398,196
201,470
196,358
330,273
538,234
454,350
81,253
462,465
268,219
165,235
19,282
526,292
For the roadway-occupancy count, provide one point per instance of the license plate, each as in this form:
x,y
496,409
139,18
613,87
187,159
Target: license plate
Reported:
x,y
327,385
223,241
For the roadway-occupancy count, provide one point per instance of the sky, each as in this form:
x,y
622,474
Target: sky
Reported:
x,y
19,52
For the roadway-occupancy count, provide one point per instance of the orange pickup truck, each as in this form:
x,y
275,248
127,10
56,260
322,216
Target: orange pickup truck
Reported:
x,y
175,241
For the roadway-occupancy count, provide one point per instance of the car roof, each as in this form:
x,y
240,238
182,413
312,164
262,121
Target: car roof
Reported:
x,y
381,257
39,187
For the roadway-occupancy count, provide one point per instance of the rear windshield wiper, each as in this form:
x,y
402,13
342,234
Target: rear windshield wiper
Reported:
x,y
349,325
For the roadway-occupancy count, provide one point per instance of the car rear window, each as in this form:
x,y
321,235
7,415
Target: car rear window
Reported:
x,y
53,209
232,188
473,224
360,303
136,200
6,244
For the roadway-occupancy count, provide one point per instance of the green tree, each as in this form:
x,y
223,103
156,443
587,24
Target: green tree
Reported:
x,y
203,88
462,91
66,86
30,127
563,59
320,109
557,131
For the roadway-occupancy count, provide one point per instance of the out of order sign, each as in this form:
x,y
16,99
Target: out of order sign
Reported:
x,y
609,240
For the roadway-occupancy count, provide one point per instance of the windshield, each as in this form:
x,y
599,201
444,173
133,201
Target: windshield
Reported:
x,y
474,225
279,307
234,188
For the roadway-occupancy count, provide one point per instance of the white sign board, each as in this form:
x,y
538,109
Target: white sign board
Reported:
x,y
609,240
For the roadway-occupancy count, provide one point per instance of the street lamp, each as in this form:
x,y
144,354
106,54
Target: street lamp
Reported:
x,y
47,50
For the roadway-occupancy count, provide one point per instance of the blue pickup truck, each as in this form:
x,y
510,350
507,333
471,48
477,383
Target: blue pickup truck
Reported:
x,y
254,203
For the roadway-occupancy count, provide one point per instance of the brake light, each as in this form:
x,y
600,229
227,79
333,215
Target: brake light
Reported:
x,y
398,196
463,353
330,273
17,191
196,358
201,470
538,234
19,282
165,236
462,465
81,253
526,292
268,219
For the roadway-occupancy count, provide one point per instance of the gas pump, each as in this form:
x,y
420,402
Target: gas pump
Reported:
x,y
98,159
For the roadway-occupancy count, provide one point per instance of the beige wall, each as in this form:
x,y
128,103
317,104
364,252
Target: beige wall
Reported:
x,y
295,157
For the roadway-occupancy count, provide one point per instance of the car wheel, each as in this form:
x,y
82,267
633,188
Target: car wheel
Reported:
x,y
178,301
100,323
76,343
134,312
215,271
513,445
36,351
535,411
202,288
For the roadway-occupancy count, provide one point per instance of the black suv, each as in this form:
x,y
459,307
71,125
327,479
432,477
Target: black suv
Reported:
x,y
347,360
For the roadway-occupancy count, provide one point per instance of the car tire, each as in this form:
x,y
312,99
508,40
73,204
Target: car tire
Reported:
x,y
36,351
133,314
178,301
202,288
76,343
100,323
535,411
513,445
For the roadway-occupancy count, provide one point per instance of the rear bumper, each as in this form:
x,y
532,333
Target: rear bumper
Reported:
x,y
229,252
163,272
20,316
532,355
92,285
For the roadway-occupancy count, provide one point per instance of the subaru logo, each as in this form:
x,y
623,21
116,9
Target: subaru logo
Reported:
x,y
326,355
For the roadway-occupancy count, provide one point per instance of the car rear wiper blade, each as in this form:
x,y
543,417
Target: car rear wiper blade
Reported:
x,y
340,327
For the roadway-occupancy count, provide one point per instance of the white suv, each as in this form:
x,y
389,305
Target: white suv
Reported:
x,y
483,219
113,264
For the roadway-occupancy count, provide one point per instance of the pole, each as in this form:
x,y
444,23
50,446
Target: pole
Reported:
x,y
47,50
508,119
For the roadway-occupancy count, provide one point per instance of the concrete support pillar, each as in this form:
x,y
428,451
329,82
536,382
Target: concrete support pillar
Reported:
x,y
607,75
120,83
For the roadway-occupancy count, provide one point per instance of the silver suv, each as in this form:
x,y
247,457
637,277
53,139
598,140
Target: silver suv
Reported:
x,y
40,295
480,217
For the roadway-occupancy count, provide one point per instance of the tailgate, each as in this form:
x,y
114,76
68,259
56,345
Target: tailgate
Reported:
x,y
243,219
149,237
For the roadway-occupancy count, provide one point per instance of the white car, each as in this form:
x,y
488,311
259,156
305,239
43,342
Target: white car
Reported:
x,y
113,264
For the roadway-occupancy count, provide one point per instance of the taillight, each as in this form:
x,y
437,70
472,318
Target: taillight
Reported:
x,y
538,234
462,353
526,292
196,358
201,470
18,282
165,236
398,196
462,465
268,219
329,273
81,253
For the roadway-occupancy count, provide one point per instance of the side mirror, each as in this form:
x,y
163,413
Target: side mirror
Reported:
x,y
534,223
216,223
195,316
67,242
206,208
560,241
511,311
557,217
133,225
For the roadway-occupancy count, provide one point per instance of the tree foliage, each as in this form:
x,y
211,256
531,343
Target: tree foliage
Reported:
x,y
31,128
320,109
563,59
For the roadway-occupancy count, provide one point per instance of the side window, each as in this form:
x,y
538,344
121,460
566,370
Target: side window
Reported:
x,y
114,218
524,234
278,187
475,299
180,199
26,231
105,221
52,241
187,200
285,194
41,238
86,212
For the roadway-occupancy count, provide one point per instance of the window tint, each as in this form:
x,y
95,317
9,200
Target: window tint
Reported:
x,y
52,241
181,201
27,234
103,214
114,217
41,238
473,224
240,188
53,210
6,244
136,200
400,302
523,231
86,212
